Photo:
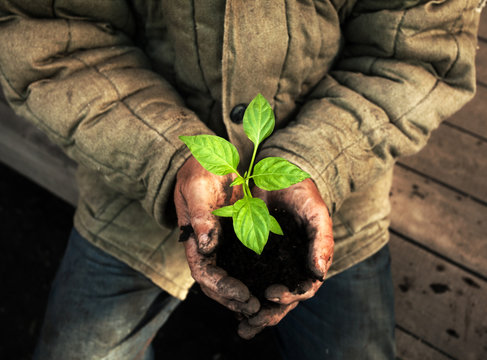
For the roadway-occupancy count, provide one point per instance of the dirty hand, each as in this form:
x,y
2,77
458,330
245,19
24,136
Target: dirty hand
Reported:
x,y
304,201
198,192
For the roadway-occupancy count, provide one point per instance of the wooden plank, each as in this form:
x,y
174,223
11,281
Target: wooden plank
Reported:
x,y
480,61
441,219
454,158
439,302
410,348
28,151
473,116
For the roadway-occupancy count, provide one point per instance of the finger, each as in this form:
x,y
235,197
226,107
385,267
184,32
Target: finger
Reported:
x,y
281,295
206,228
269,316
195,199
246,331
276,292
201,201
248,308
320,253
319,229
195,213
206,273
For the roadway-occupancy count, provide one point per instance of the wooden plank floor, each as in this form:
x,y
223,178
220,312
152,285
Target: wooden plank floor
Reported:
x,y
438,225
439,236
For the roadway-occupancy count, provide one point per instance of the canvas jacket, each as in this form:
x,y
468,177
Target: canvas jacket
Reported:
x,y
354,85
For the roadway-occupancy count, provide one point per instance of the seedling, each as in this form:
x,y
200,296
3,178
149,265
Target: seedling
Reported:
x,y
252,221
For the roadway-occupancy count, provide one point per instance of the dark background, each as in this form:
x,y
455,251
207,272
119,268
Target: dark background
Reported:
x,y
34,229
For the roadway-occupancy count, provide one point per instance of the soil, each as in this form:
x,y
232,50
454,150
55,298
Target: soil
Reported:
x,y
283,260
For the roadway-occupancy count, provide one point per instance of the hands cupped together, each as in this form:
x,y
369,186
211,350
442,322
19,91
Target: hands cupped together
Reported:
x,y
198,193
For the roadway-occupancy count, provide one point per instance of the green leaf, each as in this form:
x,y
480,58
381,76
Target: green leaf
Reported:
x,y
274,226
275,173
225,211
251,223
214,153
258,121
238,181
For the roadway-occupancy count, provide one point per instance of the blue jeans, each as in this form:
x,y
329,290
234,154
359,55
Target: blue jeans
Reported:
x,y
99,308
350,317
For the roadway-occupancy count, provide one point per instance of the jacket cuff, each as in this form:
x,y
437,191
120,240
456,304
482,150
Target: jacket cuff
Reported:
x,y
305,164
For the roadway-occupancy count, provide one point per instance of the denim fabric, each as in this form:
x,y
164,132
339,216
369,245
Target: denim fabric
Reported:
x,y
351,317
99,308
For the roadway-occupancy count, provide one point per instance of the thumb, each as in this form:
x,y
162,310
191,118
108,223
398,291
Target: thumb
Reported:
x,y
319,229
206,228
320,252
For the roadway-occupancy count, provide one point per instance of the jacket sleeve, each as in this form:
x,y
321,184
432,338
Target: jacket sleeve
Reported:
x,y
72,68
406,66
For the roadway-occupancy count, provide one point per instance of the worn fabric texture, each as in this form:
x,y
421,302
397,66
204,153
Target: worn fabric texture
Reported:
x,y
354,85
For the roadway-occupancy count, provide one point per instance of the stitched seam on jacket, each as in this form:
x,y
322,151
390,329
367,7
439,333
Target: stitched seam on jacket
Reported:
x,y
423,99
110,222
19,94
345,223
283,66
198,57
399,26
414,106
106,205
68,42
456,39
53,8
342,151
163,177
161,244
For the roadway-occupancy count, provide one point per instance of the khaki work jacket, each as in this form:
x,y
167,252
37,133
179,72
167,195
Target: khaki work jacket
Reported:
x,y
354,85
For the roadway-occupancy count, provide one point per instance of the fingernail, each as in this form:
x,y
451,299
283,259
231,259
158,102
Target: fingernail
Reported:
x,y
322,263
252,306
274,299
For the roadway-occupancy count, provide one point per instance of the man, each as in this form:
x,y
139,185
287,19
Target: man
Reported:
x,y
354,85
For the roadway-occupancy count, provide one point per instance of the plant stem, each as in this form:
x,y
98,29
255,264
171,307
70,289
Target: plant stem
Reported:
x,y
249,173
246,189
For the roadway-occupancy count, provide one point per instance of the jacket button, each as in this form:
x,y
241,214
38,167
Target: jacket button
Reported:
x,y
237,113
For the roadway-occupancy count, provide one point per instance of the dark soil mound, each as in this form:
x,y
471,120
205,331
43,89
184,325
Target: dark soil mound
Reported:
x,y
283,260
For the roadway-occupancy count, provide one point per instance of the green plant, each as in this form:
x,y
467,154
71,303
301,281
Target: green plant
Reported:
x,y
252,221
